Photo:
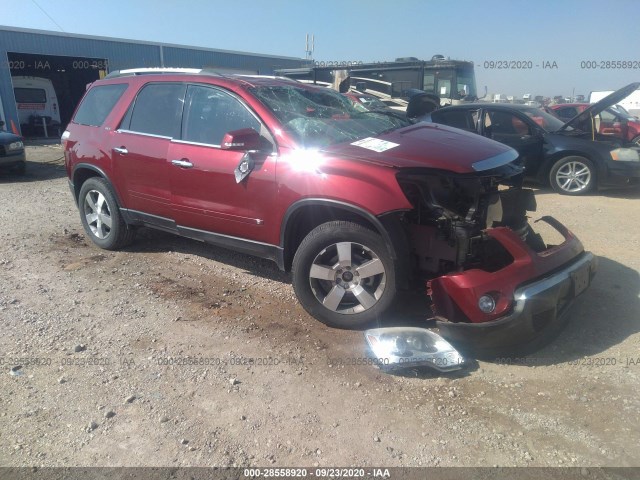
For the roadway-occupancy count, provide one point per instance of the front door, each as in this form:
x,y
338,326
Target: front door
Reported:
x,y
204,193
516,131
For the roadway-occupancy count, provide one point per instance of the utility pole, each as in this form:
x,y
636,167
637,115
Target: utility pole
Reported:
x,y
309,46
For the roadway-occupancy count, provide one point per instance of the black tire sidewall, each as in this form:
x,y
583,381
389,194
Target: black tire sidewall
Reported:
x,y
320,238
573,158
118,227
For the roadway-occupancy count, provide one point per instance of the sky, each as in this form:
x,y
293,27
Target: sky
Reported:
x,y
568,37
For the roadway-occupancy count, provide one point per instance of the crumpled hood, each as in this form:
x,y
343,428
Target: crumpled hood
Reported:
x,y
428,145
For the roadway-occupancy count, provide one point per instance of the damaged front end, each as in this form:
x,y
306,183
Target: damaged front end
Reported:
x,y
496,286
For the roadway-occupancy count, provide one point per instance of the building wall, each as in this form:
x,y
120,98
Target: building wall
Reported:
x,y
122,54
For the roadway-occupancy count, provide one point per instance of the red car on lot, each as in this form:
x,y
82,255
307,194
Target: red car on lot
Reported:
x,y
610,122
359,205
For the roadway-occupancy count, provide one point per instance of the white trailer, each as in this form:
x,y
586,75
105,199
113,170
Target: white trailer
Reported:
x,y
631,104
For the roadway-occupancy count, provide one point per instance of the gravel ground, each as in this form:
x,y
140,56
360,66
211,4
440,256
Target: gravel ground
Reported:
x,y
139,357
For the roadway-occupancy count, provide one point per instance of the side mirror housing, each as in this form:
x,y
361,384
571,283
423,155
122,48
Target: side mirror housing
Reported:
x,y
243,140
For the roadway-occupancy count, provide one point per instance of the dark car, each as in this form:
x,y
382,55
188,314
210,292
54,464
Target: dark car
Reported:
x,y
614,121
12,154
573,157
357,204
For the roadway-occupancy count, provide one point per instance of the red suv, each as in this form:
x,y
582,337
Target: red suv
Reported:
x,y
357,204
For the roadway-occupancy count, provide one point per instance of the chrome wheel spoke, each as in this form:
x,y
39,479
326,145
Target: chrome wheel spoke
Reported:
x,y
344,254
333,299
91,203
370,268
322,273
106,219
365,298
91,218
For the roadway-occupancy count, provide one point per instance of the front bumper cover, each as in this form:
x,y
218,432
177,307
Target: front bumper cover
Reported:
x,y
538,313
533,293
13,159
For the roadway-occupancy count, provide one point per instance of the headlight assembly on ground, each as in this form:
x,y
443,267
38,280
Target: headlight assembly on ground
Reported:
x,y
404,347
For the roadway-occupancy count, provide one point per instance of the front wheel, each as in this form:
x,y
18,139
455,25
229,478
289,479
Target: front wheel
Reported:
x,y
343,275
573,175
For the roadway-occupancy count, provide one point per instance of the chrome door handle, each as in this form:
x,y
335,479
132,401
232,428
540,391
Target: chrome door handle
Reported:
x,y
121,150
182,163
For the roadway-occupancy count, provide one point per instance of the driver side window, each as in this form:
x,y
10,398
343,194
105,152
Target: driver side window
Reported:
x,y
211,112
502,123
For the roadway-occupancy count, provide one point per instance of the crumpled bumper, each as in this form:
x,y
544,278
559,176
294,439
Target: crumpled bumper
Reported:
x,y
537,290
539,312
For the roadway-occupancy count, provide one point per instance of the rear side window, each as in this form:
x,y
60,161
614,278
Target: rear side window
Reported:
x,y
157,110
30,95
98,103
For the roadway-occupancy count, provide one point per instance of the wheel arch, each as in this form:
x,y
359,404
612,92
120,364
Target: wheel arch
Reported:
x,y
305,215
84,171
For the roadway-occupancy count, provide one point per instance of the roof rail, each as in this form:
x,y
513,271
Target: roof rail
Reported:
x,y
152,70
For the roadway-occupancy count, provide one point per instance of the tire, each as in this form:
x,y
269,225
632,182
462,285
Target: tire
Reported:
x,y
636,141
573,175
101,217
343,275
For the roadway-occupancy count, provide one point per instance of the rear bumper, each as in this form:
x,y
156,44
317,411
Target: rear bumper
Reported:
x,y
538,312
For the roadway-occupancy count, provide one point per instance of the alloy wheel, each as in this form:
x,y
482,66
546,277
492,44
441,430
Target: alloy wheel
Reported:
x,y
347,278
97,213
573,177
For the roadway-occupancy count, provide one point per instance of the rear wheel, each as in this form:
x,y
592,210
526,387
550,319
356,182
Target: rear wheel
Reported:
x,y
573,175
101,217
344,275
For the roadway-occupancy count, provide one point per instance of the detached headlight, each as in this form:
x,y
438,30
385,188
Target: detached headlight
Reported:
x,y
626,154
405,347
16,146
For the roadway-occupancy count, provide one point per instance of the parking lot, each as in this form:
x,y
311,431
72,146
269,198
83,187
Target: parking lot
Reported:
x,y
175,353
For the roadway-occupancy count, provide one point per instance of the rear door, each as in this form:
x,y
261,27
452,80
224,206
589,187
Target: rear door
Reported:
x,y
140,149
204,193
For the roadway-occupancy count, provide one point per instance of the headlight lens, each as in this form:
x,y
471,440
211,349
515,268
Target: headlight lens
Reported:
x,y
16,146
626,154
404,347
